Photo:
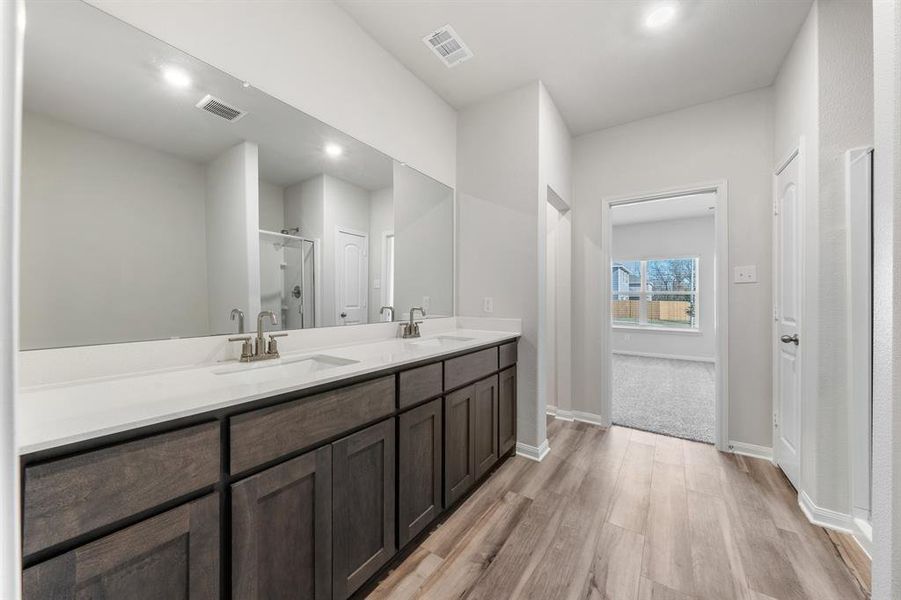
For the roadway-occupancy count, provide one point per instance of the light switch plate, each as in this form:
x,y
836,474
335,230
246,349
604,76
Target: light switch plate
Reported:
x,y
488,304
746,274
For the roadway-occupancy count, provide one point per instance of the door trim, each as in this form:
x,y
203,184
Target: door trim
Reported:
x,y
805,357
339,229
721,297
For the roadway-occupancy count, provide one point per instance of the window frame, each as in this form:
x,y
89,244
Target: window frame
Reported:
x,y
645,295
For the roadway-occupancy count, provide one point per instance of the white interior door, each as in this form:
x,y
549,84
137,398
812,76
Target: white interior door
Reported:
x,y
351,276
787,313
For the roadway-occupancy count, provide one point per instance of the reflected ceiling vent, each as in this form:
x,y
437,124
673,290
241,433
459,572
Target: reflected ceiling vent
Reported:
x,y
219,108
448,46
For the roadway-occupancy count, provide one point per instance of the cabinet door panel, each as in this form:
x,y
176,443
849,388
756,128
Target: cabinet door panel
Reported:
x,y
459,453
282,530
507,410
363,517
485,431
173,556
419,478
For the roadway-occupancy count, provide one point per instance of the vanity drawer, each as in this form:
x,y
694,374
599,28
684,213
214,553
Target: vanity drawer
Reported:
x,y
71,496
420,384
467,368
266,434
507,355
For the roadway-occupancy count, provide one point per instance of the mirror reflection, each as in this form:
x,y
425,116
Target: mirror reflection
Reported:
x,y
164,198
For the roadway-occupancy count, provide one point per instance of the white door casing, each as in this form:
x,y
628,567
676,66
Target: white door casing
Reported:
x,y
351,276
787,305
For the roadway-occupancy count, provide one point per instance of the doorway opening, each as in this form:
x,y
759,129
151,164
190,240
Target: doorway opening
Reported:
x,y
665,350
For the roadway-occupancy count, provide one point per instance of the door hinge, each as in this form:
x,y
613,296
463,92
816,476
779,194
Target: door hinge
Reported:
x,y
775,313
775,421
775,207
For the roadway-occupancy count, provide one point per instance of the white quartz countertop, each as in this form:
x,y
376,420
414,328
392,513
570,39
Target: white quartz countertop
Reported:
x,y
54,415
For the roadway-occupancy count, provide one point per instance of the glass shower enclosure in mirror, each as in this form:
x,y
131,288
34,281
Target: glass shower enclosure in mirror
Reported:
x,y
162,198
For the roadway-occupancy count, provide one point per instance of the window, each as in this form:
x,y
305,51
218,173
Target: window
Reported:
x,y
660,293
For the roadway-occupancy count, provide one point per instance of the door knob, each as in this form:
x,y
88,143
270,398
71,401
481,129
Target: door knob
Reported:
x,y
344,315
790,339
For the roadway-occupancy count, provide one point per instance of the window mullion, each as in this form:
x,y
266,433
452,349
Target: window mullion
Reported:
x,y
643,295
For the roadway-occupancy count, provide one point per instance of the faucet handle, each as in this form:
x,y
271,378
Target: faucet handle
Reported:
x,y
273,345
246,346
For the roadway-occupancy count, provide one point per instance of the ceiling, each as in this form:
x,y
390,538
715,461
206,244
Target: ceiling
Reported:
x,y
72,75
664,209
598,61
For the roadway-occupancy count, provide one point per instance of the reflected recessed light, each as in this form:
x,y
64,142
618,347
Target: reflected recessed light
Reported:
x,y
334,150
246,84
176,77
660,16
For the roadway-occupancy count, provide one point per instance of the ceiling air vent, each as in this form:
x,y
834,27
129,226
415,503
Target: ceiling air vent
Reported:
x,y
448,46
219,108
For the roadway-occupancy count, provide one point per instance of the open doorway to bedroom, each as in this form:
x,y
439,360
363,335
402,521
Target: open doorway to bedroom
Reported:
x,y
663,314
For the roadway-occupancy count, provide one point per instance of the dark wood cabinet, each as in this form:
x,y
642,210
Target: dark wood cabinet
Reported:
x,y
363,499
459,454
506,393
420,450
485,429
315,491
282,530
172,556
71,496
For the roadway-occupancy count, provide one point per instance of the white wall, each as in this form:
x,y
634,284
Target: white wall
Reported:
x,y
381,220
498,204
326,65
845,121
113,245
728,139
555,244
232,235
887,303
12,25
424,243
272,206
824,93
675,239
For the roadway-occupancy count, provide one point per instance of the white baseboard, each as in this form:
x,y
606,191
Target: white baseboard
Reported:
x,y
575,415
825,517
863,535
532,452
706,359
752,450
587,417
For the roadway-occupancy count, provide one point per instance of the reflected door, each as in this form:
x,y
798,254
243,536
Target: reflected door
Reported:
x,y
787,387
351,276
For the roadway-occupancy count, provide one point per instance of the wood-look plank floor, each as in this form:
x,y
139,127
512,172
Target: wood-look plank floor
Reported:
x,y
620,514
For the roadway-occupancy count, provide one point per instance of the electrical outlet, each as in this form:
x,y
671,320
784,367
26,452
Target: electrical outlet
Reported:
x,y
376,284
746,274
488,304
427,303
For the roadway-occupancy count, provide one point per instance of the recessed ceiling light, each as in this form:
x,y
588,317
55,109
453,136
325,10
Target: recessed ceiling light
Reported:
x,y
660,16
334,150
176,77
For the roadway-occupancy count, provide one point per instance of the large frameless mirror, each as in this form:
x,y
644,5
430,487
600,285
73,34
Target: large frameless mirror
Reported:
x,y
164,198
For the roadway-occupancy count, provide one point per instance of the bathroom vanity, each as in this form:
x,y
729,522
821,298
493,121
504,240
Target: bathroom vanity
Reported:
x,y
306,493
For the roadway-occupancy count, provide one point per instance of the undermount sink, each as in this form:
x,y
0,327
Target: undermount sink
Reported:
x,y
296,366
441,341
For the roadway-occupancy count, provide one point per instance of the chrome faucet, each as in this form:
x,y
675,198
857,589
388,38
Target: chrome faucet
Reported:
x,y
389,309
260,350
237,312
411,329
